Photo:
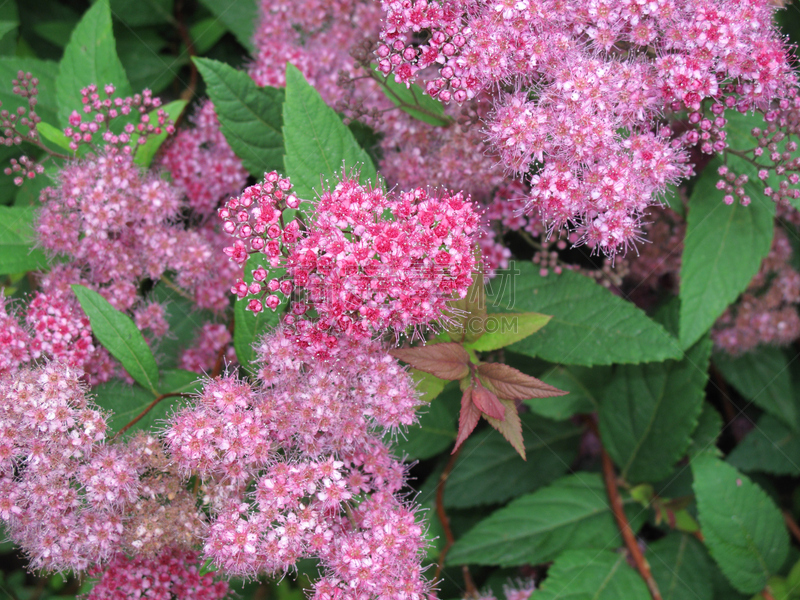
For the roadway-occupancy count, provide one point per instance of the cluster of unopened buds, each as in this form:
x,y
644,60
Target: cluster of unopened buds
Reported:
x,y
367,260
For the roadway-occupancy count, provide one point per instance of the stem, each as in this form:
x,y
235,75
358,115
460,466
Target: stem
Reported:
x,y
624,527
190,90
471,590
767,594
792,524
147,409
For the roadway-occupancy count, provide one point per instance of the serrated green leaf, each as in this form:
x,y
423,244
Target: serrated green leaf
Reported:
x,y
742,527
436,431
723,248
489,470
763,377
6,27
704,438
769,448
179,381
428,385
317,144
53,135
592,575
681,567
249,327
138,13
239,16
584,386
414,101
250,117
571,513
503,329
206,33
44,70
90,57
589,325
17,239
147,59
120,336
128,401
648,412
147,151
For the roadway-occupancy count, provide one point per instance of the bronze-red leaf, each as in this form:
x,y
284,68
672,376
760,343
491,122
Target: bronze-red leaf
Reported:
x,y
447,361
468,418
488,403
511,384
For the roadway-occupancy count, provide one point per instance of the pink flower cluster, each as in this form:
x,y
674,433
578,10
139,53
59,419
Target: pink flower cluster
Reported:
x,y
584,75
368,260
294,453
202,163
174,573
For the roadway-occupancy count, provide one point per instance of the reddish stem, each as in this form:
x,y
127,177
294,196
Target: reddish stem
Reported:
x,y
147,409
792,524
471,590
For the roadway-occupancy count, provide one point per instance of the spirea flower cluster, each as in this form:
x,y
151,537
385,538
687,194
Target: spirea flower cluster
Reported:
x,y
367,261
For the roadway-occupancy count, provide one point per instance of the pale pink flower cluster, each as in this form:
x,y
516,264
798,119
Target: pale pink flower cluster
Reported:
x,y
212,343
589,93
201,162
69,499
295,452
174,573
361,269
766,313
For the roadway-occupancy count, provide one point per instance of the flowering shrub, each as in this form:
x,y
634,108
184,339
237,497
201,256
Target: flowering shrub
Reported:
x,y
425,299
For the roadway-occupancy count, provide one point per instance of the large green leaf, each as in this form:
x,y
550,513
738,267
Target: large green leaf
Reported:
x,y
490,471
763,377
90,57
436,430
17,239
119,335
709,427
250,117
769,448
318,145
572,513
742,527
137,13
239,16
584,386
590,325
723,248
413,100
185,322
592,575
681,568
648,412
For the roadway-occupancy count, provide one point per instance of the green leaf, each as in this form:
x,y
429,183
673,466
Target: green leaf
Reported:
x,y
137,13
584,386
429,385
764,377
503,329
571,513
709,427
490,471
648,412
414,101
769,448
318,145
239,16
742,527
147,58
44,70
7,27
723,249
185,322
17,239
206,33
90,57
147,151
590,325
250,117
249,327
128,401
436,431
592,575
119,335
53,135
179,381
681,567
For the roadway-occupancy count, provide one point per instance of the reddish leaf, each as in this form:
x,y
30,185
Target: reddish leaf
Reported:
x,y
468,418
487,402
510,427
447,361
510,384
